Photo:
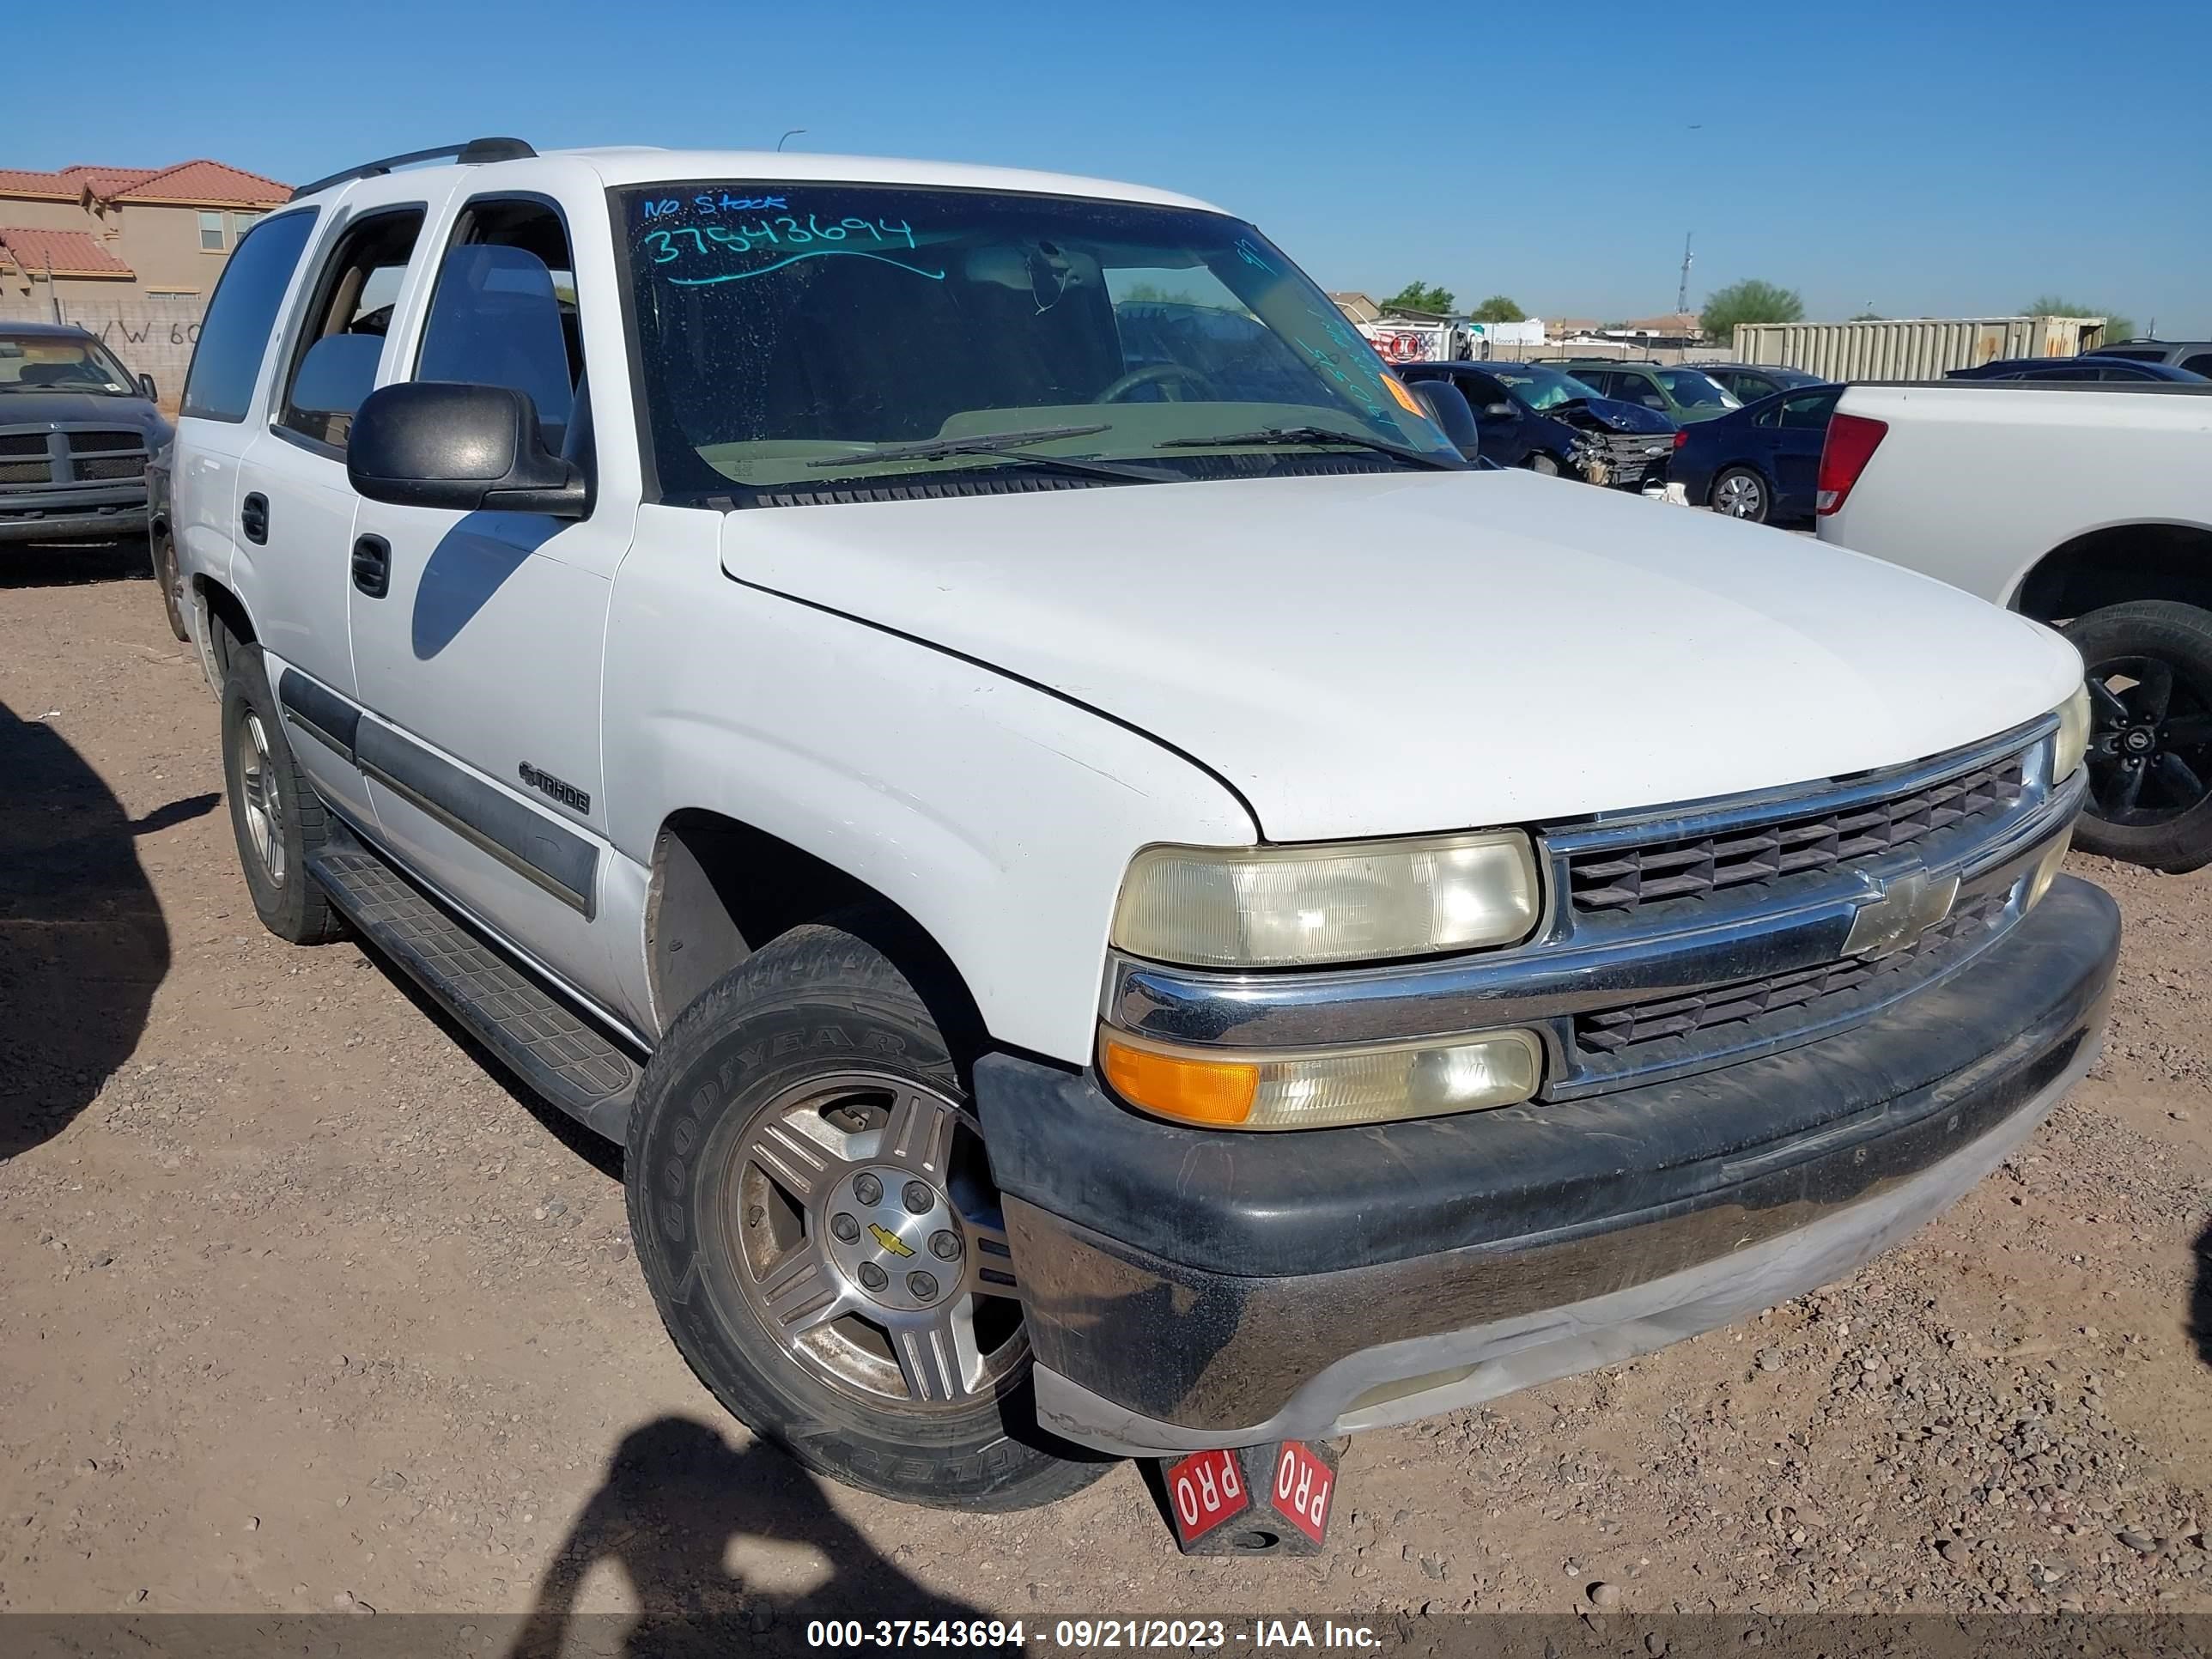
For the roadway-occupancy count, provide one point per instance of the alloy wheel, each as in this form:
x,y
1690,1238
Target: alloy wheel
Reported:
x,y
867,1236
2150,741
263,805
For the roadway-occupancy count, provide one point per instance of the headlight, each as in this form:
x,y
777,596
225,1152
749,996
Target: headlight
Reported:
x,y
2073,734
1297,907
1223,1089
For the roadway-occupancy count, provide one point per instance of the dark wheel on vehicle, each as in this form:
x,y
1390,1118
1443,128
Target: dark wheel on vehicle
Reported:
x,y
1741,493
276,819
165,572
815,1216
2150,733
1543,465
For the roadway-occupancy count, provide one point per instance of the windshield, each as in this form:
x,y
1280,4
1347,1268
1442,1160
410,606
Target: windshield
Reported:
x,y
61,362
1694,391
786,331
1542,388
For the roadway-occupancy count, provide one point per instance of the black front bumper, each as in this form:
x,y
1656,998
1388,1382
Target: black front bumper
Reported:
x,y
98,512
1189,1288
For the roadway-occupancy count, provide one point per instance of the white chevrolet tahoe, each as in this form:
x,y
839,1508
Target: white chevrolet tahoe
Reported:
x,y
2085,504
1120,896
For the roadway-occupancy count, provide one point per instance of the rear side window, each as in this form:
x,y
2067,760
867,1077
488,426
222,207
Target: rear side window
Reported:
x,y
242,317
335,361
2200,364
1809,414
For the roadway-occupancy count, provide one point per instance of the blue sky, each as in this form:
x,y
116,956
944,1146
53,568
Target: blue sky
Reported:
x,y
1950,158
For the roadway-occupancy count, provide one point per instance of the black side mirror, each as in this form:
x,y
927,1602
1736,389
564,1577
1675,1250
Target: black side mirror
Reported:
x,y
1499,411
146,389
435,443
1448,407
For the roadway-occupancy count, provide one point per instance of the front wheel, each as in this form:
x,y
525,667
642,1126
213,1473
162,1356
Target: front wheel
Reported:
x,y
1543,465
2149,665
816,1217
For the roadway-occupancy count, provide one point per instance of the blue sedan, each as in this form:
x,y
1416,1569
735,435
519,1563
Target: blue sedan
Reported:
x,y
1761,462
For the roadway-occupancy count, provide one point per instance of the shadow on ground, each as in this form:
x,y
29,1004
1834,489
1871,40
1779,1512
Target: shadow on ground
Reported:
x,y
675,1498
2200,1297
596,1149
82,944
64,564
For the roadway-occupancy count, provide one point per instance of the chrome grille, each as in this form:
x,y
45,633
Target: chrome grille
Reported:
x,y
1630,455
1808,996
1620,879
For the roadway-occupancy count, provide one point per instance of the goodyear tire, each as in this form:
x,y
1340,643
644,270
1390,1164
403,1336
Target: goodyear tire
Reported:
x,y
814,1215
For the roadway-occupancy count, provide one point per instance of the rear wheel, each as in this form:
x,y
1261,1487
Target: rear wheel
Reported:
x,y
2149,667
815,1215
1741,493
276,819
165,572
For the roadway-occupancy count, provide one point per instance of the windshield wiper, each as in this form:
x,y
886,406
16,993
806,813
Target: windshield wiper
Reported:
x,y
1009,446
1316,435
980,443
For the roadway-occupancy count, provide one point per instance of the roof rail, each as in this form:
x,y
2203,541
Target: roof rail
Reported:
x,y
471,154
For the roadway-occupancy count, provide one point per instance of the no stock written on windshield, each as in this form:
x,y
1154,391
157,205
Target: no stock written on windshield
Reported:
x,y
732,238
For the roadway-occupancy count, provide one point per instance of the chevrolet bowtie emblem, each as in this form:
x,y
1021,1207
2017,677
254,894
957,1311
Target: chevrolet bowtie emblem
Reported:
x,y
1907,906
898,1246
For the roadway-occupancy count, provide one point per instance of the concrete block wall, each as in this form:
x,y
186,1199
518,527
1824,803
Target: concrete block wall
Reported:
x,y
152,337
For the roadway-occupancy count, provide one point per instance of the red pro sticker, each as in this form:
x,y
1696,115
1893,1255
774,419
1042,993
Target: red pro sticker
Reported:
x,y
1301,1489
1204,1489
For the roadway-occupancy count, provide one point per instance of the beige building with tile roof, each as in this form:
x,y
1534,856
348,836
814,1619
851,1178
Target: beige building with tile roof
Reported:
x,y
98,233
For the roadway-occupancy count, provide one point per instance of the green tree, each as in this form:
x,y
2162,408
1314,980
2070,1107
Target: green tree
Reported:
x,y
1867,317
1750,301
1498,309
1421,296
2117,327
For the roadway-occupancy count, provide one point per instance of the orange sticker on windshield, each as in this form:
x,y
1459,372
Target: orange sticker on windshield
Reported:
x,y
1405,397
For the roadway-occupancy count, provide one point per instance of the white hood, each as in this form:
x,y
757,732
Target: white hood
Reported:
x,y
1394,652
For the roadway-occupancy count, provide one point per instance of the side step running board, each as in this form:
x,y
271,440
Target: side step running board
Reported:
x,y
556,1051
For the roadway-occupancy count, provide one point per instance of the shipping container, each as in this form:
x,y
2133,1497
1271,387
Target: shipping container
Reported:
x,y
1912,347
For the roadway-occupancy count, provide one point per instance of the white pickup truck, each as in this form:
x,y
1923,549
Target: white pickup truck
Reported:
x,y
2084,505
1120,896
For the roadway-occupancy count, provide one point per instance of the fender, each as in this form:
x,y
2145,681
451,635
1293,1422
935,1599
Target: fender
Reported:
x,y
1000,816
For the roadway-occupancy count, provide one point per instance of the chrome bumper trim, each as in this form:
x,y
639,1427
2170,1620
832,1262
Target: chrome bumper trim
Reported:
x,y
1584,964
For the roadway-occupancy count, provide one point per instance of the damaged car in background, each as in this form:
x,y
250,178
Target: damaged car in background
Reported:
x,y
1537,417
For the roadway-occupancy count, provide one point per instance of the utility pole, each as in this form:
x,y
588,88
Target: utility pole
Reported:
x,y
1682,292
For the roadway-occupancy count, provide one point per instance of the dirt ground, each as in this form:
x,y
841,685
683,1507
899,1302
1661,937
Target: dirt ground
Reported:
x,y
304,1307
